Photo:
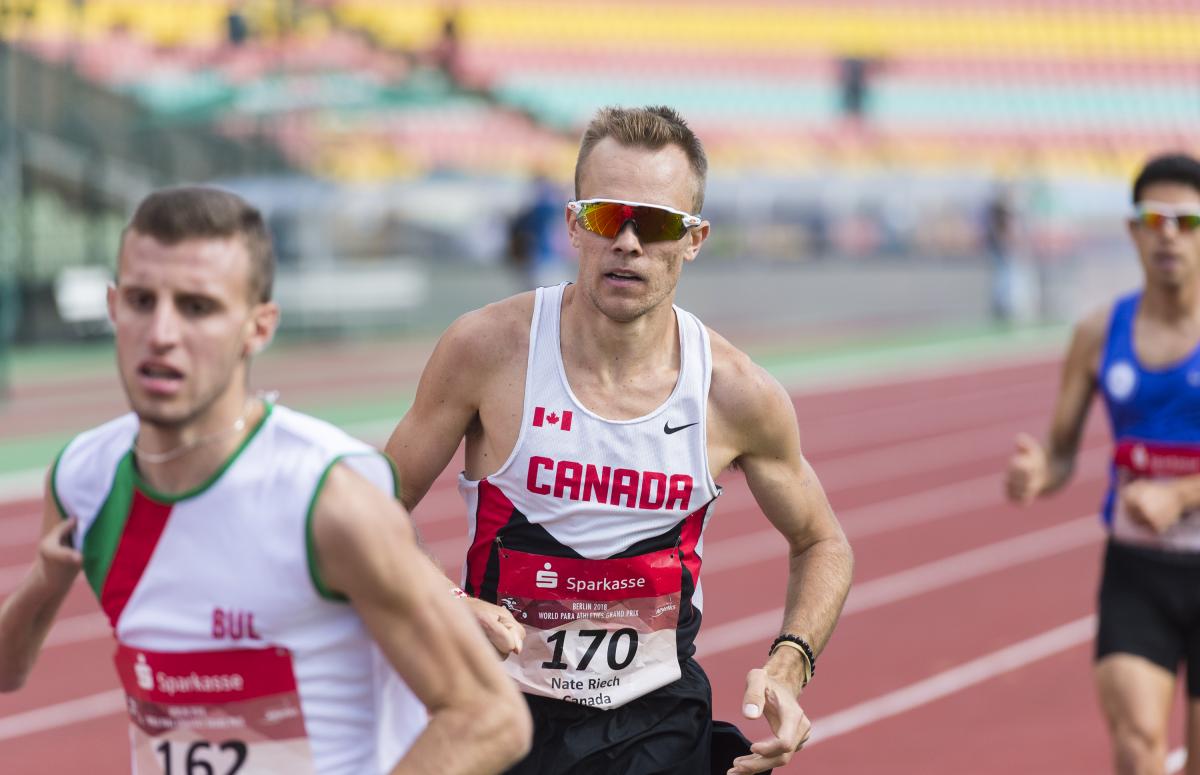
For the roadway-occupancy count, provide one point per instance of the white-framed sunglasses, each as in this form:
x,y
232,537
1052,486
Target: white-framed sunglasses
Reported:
x,y
1155,215
653,223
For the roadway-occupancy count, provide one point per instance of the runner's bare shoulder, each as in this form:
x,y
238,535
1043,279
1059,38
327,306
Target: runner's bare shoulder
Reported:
x,y
743,396
1087,340
492,335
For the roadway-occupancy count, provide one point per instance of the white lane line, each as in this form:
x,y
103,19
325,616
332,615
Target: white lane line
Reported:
x,y
875,519
864,596
913,582
954,680
857,427
63,714
22,485
973,563
884,463
802,381
881,463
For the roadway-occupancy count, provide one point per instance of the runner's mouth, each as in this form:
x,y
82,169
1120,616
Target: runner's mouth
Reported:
x,y
159,371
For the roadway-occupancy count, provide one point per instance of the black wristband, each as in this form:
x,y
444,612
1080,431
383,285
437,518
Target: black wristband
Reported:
x,y
802,643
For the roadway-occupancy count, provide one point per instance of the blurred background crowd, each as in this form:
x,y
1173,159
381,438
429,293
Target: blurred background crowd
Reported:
x,y
873,162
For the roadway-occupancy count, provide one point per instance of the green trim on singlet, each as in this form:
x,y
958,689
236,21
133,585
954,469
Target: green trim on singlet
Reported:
x,y
395,474
62,511
102,538
310,541
170,499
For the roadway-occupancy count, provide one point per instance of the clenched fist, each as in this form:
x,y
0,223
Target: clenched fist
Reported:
x,y
1028,470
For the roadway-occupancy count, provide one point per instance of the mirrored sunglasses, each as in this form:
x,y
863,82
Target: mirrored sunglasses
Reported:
x,y
652,223
1155,217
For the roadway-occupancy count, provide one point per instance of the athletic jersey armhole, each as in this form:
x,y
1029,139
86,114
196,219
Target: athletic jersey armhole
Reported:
x,y
310,541
1119,331
526,400
391,464
707,358
62,510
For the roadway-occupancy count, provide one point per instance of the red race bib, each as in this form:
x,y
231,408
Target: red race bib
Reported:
x,y
214,712
597,632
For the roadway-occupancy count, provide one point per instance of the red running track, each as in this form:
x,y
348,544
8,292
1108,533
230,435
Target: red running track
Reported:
x,y
964,647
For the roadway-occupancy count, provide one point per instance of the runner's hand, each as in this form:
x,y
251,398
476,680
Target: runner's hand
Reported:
x,y
499,625
1156,505
1027,470
766,696
57,562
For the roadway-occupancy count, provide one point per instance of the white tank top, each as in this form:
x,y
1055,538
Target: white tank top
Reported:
x,y
231,650
591,531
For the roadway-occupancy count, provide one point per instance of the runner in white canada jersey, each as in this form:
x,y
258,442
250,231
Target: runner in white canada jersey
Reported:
x,y
596,415
593,528
272,611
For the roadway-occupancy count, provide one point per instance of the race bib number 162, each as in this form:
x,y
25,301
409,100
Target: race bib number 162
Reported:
x,y
214,712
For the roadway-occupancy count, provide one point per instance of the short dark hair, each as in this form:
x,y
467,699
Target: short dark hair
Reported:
x,y
172,215
1168,168
651,127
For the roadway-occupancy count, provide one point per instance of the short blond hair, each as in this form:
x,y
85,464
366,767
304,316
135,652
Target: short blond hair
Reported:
x,y
651,127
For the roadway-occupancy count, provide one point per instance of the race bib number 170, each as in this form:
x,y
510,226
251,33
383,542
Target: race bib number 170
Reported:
x,y
597,632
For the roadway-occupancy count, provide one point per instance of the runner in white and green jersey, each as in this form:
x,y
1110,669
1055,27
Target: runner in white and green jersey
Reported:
x,y
271,608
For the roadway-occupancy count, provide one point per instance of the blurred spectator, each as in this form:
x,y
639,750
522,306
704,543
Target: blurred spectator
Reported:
x,y
999,238
445,53
854,85
236,27
535,235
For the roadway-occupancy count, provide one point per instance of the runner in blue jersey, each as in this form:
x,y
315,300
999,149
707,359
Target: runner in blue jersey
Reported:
x,y
1142,354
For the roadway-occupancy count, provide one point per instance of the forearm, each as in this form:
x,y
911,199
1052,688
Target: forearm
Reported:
x,y
25,619
818,582
1059,468
487,737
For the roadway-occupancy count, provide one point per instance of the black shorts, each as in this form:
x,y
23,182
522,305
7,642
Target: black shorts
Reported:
x,y
669,731
1150,607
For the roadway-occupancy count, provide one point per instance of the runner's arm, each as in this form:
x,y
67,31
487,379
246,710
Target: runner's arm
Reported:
x,y
445,407
820,561
26,615
446,403
1038,469
758,412
367,550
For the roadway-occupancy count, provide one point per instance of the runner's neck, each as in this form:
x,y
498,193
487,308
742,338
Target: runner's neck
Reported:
x,y
202,458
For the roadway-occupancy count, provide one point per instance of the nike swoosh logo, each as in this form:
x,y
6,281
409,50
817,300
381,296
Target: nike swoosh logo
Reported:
x,y
667,429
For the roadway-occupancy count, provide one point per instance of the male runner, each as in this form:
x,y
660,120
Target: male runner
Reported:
x,y
1142,355
596,416
260,578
